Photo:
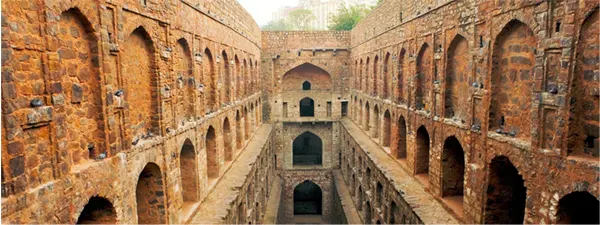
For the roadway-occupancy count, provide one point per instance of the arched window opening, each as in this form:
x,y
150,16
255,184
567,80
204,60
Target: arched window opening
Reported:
x,y
306,86
506,193
150,196
189,172
367,117
212,163
307,107
401,144
422,158
227,141
308,199
423,78
307,149
453,174
376,121
387,129
98,210
578,208
238,130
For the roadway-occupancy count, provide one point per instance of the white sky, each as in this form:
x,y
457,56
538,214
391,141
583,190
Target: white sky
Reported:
x,y
261,10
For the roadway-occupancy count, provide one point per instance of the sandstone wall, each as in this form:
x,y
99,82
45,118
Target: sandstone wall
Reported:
x,y
114,99
466,89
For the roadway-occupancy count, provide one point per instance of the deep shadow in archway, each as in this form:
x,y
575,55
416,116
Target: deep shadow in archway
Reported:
x,y
98,211
307,199
150,196
578,208
308,149
307,107
506,193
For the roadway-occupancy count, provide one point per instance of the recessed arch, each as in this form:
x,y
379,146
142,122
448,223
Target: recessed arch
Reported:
x,y
80,80
402,70
453,168
579,207
98,210
306,86
375,76
367,117
150,196
423,78
307,149
584,108
212,162
422,156
238,78
307,107
308,198
386,76
376,121
387,128
513,62
456,81
210,77
401,143
188,168
367,77
226,74
319,78
227,141
246,124
138,50
238,130
506,193
183,66
360,76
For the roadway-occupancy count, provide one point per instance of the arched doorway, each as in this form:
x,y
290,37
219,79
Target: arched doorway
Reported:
x,y
238,130
387,129
212,163
150,196
506,193
401,148
367,116
307,107
211,78
189,172
578,208
227,140
98,210
453,174
225,72
307,149
422,156
376,121
308,199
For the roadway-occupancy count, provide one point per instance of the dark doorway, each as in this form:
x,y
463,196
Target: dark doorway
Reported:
x,y
150,196
98,211
506,193
308,149
307,198
307,107
344,109
578,208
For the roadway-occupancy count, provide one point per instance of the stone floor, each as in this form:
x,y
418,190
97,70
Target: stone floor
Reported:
x,y
216,205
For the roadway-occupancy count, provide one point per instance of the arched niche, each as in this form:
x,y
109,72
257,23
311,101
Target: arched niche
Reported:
x,y
317,77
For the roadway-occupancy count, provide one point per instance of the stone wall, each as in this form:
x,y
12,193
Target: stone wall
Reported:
x,y
479,87
115,98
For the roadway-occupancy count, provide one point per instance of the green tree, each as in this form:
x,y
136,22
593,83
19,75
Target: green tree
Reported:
x,y
301,19
276,25
347,17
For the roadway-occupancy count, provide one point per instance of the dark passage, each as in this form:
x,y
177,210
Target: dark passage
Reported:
x,y
307,107
308,149
307,198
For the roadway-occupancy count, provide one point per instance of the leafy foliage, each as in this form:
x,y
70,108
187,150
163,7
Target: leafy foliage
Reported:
x,y
348,16
277,25
301,19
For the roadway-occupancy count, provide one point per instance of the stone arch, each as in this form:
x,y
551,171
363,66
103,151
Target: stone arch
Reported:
x,y
506,193
319,78
423,78
307,149
308,198
401,144
246,79
578,207
252,115
422,156
360,197
212,161
307,107
367,117
183,66
98,210
513,62
360,112
226,74
453,173
367,213
81,84
386,76
379,194
246,124
352,184
393,213
457,79
583,137
210,76
367,77
376,121
361,77
227,140
387,128
375,76
238,130
239,79
150,196
188,168
141,82
356,76
402,74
